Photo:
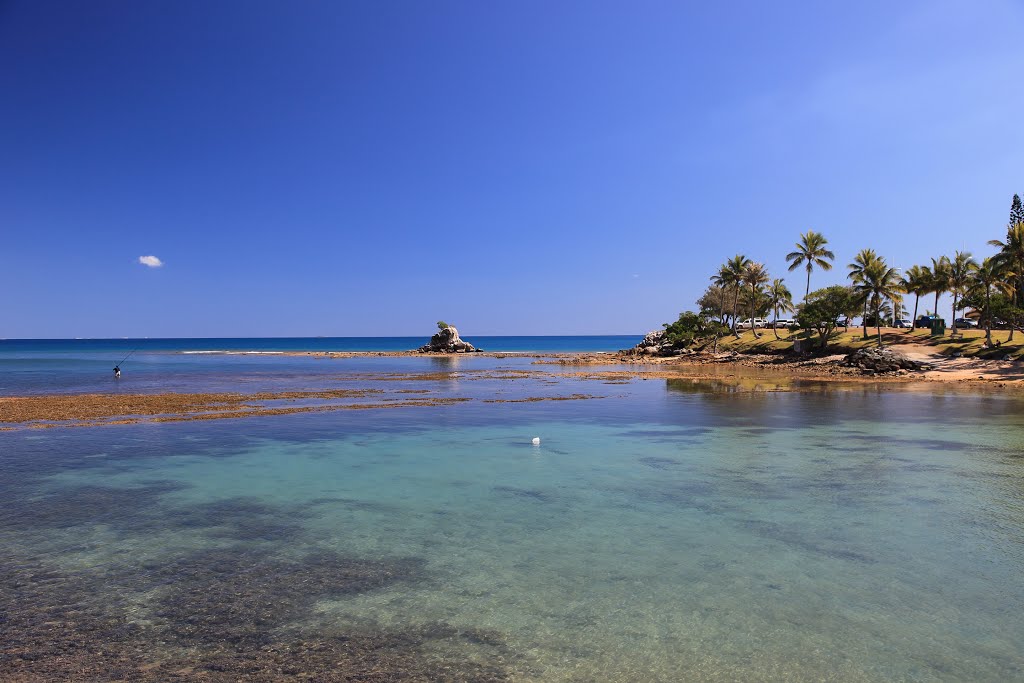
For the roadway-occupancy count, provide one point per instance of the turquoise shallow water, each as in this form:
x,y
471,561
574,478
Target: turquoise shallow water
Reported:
x,y
672,530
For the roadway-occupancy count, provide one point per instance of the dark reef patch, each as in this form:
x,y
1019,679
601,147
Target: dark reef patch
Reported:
x,y
657,463
222,615
121,507
240,596
240,518
531,494
791,536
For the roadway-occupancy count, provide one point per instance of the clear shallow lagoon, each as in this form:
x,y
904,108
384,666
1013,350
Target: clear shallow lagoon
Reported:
x,y
671,530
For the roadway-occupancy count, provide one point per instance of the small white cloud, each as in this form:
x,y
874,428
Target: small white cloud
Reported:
x,y
636,275
151,261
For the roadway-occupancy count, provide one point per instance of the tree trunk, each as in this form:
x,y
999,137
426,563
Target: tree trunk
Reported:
x,y
952,321
807,292
988,320
913,321
878,319
753,309
735,308
864,321
775,323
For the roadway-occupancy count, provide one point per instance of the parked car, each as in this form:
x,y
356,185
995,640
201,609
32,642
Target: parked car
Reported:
x,y
966,323
755,323
902,322
927,320
784,322
843,322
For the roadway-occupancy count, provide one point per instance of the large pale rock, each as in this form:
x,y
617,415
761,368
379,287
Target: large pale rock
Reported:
x,y
447,341
653,344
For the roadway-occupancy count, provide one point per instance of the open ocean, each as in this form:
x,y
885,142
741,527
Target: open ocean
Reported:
x,y
663,529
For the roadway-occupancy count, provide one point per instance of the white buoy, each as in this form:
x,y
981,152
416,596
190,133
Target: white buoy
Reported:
x,y
536,441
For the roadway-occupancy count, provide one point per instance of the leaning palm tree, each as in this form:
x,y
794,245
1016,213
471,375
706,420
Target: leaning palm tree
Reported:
x,y
940,279
916,281
736,267
779,299
879,282
755,275
810,252
958,278
861,262
986,278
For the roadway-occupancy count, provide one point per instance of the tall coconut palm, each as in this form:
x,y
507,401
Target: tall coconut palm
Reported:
x,y
940,279
958,278
878,282
1011,258
861,262
755,275
736,267
779,299
916,281
986,278
810,252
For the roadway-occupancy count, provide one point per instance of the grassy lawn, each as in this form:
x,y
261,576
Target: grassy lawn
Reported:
x,y
968,342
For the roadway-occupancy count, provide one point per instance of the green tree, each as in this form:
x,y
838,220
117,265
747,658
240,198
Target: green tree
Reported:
x,y
878,282
735,268
940,279
810,252
986,279
916,281
755,276
690,326
713,301
1016,211
1010,258
442,325
958,279
855,271
822,307
779,299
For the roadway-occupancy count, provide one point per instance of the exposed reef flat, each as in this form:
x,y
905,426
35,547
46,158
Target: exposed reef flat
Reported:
x,y
743,371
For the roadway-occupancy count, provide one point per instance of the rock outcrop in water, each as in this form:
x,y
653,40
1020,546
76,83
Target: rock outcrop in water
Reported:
x,y
655,344
447,341
879,360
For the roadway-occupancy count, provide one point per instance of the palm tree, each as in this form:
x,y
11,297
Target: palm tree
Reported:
x,y
940,279
861,262
878,282
736,267
916,281
810,252
958,278
754,276
985,278
1011,257
780,299
723,280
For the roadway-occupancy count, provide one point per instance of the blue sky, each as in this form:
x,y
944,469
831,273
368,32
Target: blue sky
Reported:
x,y
330,168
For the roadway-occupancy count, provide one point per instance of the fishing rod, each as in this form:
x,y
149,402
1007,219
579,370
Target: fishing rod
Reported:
x,y
128,356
